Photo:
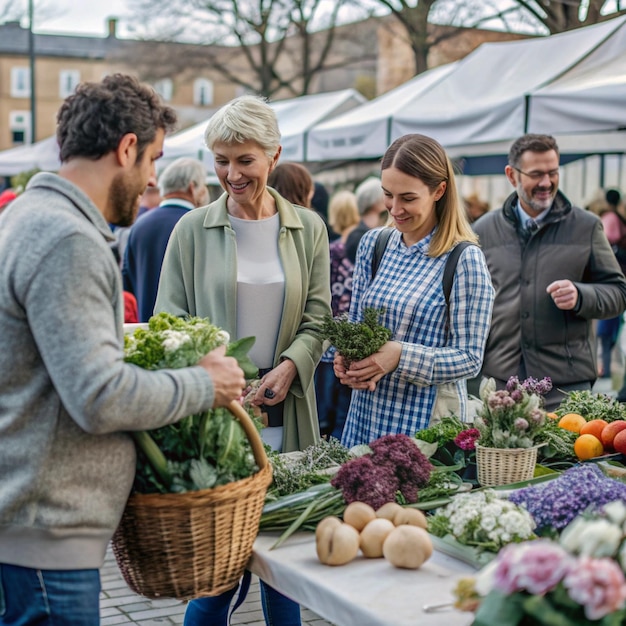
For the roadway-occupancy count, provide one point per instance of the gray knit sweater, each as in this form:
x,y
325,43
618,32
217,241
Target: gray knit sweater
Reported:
x,y
66,395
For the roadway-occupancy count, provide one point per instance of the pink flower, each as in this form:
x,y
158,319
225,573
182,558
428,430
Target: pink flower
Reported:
x,y
533,566
466,439
598,585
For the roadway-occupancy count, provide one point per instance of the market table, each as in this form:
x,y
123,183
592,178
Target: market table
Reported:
x,y
365,592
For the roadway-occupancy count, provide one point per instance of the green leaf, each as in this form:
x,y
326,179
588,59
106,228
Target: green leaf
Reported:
x,y
499,609
203,475
239,350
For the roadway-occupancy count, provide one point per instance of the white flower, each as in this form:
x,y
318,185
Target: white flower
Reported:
x,y
596,538
174,339
223,337
487,386
616,512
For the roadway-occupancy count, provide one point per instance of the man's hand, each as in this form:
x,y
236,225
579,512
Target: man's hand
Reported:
x,y
564,294
227,376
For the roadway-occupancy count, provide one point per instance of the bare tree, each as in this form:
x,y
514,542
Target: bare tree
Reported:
x,y
558,16
264,46
420,18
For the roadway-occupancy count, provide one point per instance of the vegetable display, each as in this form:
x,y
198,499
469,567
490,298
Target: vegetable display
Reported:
x,y
200,451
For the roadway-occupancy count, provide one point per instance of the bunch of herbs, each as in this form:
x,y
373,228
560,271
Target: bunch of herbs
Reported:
x,y
356,340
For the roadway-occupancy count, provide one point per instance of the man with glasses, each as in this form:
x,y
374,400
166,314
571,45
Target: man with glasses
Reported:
x,y
554,273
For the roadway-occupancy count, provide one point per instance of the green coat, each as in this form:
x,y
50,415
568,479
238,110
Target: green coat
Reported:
x,y
199,277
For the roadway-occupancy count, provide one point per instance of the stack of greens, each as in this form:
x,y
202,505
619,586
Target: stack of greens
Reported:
x,y
200,451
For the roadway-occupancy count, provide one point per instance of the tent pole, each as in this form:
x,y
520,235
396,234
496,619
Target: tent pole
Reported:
x,y
526,111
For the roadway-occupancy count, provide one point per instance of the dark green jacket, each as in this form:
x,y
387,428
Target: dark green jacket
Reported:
x,y
570,244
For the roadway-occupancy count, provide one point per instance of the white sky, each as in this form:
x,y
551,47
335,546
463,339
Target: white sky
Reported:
x,y
80,17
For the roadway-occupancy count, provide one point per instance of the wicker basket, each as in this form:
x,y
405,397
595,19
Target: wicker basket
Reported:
x,y
196,543
503,466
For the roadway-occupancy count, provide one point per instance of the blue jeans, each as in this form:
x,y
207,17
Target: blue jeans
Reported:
x,y
333,400
49,597
277,609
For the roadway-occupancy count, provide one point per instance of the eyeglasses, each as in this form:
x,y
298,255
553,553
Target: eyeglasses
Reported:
x,y
536,175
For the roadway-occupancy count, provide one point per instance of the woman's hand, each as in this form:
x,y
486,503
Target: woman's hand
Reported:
x,y
366,373
275,384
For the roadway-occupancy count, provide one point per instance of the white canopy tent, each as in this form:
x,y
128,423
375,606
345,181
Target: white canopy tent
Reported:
x,y
296,116
43,155
364,132
482,103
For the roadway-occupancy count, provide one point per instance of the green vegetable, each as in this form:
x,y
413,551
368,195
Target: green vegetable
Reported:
x,y
592,406
311,467
200,451
356,340
443,432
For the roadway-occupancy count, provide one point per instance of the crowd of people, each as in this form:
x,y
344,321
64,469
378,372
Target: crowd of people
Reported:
x,y
271,257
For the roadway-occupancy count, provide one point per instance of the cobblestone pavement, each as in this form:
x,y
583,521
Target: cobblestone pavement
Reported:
x,y
120,606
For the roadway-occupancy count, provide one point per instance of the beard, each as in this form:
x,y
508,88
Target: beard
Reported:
x,y
536,204
124,196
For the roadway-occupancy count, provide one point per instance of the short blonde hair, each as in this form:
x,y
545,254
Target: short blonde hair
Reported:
x,y
247,118
424,158
342,211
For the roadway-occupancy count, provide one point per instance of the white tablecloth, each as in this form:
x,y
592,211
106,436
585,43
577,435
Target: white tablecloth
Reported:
x,y
365,592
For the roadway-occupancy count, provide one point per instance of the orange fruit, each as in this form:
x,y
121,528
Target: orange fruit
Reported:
x,y
594,427
552,416
609,432
573,422
588,447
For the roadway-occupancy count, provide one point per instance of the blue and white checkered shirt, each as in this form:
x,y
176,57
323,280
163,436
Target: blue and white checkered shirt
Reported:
x,y
408,285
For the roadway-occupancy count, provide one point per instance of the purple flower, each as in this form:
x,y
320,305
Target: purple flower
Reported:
x,y
533,566
513,383
554,504
520,424
466,439
517,395
361,480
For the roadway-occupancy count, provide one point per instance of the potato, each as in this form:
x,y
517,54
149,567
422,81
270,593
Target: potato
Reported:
x,y
358,514
412,517
337,545
331,520
407,547
388,511
373,537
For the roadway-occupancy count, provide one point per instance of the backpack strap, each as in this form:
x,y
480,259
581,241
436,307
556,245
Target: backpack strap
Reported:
x,y
379,248
448,274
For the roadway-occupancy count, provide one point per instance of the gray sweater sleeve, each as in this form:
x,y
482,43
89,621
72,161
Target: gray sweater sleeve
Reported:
x,y
78,335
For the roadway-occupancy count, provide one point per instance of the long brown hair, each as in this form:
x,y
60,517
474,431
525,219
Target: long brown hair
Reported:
x,y
424,158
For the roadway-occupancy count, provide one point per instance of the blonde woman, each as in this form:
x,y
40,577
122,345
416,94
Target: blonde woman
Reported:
x,y
395,389
333,398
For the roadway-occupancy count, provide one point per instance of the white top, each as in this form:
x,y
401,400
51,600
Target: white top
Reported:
x,y
260,285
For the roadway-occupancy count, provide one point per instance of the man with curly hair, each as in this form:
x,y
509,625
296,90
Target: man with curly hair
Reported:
x,y
67,397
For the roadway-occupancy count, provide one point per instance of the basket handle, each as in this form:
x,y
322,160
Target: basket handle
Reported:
x,y
251,432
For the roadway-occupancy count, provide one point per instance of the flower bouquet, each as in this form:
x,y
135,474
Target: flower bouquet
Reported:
x,y
509,423
577,581
481,521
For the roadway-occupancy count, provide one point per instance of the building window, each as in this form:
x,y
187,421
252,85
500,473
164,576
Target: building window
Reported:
x,y
20,82
19,126
68,80
164,88
202,92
